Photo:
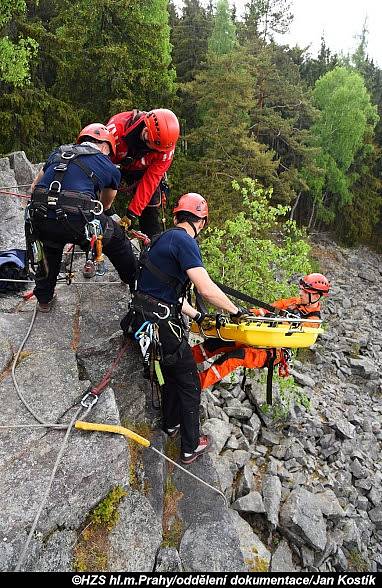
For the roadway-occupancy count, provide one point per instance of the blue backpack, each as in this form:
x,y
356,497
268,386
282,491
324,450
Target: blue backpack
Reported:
x,y
13,266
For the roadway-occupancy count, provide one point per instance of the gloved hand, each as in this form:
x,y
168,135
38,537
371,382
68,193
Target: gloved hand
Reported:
x,y
221,320
130,220
235,317
199,318
258,311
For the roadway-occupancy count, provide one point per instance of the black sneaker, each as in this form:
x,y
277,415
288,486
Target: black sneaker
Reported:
x,y
172,433
205,443
46,306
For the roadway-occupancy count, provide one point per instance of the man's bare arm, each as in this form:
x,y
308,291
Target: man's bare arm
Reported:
x,y
37,179
210,291
107,197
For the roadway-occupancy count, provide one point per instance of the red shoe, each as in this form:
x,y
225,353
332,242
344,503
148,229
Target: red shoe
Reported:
x,y
205,443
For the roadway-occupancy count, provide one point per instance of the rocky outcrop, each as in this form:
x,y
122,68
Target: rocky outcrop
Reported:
x,y
320,464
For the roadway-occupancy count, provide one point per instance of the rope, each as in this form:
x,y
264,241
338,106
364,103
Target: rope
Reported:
x,y
12,187
19,394
28,196
190,474
89,283
42,424
119,430
96,391
47,491
28,426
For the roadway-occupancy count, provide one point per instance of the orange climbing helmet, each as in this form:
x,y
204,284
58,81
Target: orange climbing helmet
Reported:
x,y
194,203
163,129
99,132
316,284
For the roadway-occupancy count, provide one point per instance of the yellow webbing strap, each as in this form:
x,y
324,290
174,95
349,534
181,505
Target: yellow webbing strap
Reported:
x,y
85,426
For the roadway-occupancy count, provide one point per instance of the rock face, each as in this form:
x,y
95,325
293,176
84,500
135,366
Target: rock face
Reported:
x,y
12,220
308,485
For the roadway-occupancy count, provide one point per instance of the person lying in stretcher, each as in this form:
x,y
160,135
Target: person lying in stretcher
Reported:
x,y
234,355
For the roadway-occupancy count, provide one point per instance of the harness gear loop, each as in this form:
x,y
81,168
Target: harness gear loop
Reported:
x,y
51,189
98,208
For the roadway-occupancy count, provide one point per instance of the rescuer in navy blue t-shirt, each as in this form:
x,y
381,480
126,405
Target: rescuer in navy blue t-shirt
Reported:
x,y
66,194
167,269
106,174
175,253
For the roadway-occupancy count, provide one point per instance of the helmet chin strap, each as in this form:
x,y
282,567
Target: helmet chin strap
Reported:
x,y
310,297
193,228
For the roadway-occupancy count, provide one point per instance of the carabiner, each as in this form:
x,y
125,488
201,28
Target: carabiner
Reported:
x,y
166,314
137,334
53,189
100,207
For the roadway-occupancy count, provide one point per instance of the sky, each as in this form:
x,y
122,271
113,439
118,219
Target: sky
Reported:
x,y
339,20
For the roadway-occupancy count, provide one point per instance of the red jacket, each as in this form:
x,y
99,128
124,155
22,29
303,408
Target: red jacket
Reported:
x,y
154,164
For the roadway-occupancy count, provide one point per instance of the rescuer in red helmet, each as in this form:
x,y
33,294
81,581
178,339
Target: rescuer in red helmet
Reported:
x,y
145,145
234,355
166,271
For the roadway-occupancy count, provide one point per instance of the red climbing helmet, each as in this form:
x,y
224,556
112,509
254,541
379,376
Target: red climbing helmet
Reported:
x,y
316,284
100,132
163,129
194,203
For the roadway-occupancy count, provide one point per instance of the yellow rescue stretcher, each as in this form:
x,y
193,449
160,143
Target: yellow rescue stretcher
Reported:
x,y
263,332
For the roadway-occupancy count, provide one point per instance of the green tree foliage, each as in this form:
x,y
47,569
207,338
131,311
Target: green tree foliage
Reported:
x,y
31,118
241,253
282,115
263,18
347,117
220,147
38,121
119,53
355,222
189,37
223,36
313,68
15,54
95,58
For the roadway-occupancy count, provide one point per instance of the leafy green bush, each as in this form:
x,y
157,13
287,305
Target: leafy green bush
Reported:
x,y
254,253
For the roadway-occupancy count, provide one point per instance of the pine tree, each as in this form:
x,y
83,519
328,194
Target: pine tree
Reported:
x,y
223,36
220,147
263,18
120,53
189,37
312,69
282,115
